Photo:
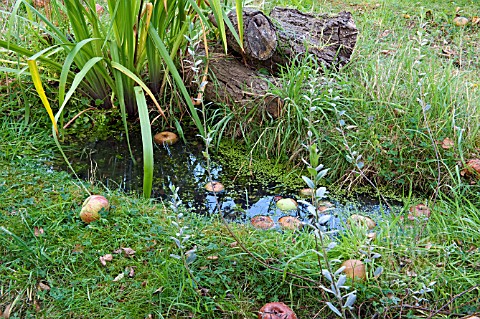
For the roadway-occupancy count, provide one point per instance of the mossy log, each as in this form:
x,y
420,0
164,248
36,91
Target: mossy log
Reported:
x,y
275,41
270,43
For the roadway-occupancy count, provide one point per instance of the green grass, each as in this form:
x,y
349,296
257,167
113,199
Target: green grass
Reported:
x,y
428,266
442,254
399,64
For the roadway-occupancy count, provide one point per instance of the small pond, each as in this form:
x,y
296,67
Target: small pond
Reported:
x,y
108,162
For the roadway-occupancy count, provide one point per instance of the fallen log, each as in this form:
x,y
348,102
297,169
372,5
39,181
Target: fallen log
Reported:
x,y
269,43
231,82
329,40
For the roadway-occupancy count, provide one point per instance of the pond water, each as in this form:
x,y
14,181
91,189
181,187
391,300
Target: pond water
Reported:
x,y
183,165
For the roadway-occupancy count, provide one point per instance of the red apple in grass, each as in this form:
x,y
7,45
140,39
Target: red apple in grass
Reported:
x,y
91,208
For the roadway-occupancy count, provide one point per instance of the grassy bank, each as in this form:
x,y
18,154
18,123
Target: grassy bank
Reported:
x,y
412,84
50,260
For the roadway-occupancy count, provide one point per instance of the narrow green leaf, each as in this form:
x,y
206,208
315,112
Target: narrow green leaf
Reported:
x,y
66,68
218,13
32,64
131,75
239,8
173,70
147,142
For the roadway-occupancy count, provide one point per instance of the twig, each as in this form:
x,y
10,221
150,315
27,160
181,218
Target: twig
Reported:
x,y
452,300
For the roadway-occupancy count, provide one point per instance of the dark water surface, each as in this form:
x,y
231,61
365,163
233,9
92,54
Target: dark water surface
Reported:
x,y
109,162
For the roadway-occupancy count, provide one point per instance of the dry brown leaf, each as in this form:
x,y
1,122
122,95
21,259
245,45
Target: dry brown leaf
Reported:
x,y
472,167
77,249
131,271
449,53
128,251
37,231
212,257
6,312
411,273
104,259
447,143
234,244
43,286
158,291
385,33
119,277
475,20
37,305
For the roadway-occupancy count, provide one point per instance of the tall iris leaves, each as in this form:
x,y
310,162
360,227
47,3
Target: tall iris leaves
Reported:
x,y
118,56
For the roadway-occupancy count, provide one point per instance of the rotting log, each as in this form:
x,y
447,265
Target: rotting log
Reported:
x,y
231,82
269,43
329,40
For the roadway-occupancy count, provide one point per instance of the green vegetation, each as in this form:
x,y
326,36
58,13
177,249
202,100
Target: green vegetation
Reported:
x,y
170,263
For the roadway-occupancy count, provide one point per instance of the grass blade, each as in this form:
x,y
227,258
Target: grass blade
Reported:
x,y
147,142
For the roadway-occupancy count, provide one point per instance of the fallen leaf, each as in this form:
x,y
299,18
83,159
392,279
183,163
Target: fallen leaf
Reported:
x,y
472,167
385,33
131,271
104,259
158,291
447,143
406,16
37,306
77,249
119,277
6,312
212,257
411,273
43,286
449,53
234,244
387,52
37,231
128,251
475,20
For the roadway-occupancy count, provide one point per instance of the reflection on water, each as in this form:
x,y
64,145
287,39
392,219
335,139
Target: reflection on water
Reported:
x,y
184,166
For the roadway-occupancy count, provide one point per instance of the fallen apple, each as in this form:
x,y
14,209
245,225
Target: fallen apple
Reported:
x,y
263,222
276,310
91,208
285,204
290,222
214,187
362,221
354,269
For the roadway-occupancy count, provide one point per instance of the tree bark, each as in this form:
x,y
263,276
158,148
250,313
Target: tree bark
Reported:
x,y
328,40
231,82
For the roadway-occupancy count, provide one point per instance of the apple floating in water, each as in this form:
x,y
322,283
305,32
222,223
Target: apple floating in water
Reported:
x,y
91,208
285,204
